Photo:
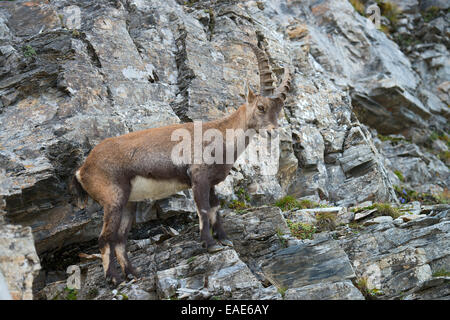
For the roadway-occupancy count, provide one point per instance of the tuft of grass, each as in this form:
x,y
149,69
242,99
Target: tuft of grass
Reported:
x,y
444,156
395,140
441,273
359,6
385,209
260,5
301,230
282,291
326,221
289,202
390,10
400,176
282,240
430,14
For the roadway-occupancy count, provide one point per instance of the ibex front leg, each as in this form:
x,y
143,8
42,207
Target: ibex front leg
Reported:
x,y
216,219
201,196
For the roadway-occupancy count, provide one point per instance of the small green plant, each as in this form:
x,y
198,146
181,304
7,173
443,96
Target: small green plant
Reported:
x,y
406,195
370,294
191,259
28,51
282,291
92,293
441,273
400,176
71,294
75,33
243,201
434,136
242,194
301,230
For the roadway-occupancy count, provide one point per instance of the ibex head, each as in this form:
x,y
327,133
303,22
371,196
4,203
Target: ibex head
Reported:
x,y
263,109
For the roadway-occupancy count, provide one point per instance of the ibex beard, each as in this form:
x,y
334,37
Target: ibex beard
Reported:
x,y
152,164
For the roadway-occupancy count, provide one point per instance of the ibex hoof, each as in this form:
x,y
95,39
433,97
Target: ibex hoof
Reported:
x,y
226,242
215,248
113,280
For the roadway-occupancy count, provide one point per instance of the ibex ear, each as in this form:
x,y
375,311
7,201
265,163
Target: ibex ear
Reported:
x,y
250,95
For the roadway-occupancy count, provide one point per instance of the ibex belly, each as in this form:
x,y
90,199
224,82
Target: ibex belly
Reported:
x,y
148,188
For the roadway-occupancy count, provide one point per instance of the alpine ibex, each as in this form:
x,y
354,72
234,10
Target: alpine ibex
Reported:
x,y
138,166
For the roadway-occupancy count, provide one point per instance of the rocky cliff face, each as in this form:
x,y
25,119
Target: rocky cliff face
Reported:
x,y
366,120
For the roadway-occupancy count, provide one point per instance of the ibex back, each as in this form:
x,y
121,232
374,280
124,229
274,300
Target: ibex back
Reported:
x,y
139,165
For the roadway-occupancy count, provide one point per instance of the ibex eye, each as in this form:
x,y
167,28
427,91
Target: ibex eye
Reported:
x,y
261,108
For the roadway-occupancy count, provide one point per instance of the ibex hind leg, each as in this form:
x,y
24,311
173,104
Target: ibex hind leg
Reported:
x,y
113,199
126,223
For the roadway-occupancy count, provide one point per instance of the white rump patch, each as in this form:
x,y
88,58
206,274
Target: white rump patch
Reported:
x,y
153,189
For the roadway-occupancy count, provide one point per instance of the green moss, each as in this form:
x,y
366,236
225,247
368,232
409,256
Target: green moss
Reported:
x,y
301,230
238,205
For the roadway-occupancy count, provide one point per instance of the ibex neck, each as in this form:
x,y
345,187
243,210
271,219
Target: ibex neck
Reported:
x,y
236,120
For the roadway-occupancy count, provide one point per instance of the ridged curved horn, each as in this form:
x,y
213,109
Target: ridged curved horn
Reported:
x,y
265,72
285,85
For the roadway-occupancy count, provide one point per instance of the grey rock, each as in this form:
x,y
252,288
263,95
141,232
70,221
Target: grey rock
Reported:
x,y
308,264
342,290
19,263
